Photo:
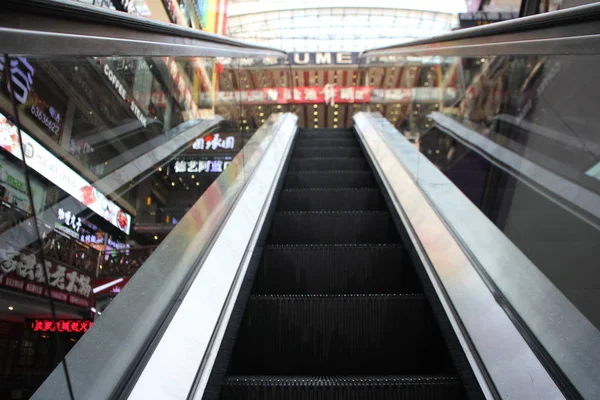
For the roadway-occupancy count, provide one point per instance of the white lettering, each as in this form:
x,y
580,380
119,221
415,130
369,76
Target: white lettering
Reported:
x,y
305,60
323,58
343,58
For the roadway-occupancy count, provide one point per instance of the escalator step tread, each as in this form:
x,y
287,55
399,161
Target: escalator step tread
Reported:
x,y
350,334
329,163
329,179
318,151
342,388
326,141
330,199
322,269
332,227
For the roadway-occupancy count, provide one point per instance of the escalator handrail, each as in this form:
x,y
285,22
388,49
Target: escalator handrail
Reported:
x,y
65,12
555,24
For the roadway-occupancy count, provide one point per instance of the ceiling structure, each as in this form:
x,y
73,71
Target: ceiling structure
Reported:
x,y
335,25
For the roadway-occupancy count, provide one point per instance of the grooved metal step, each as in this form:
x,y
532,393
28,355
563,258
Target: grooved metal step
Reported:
x,y
319,151
338,335
342,388
335,269
323,199
329,164
326,141
339,227
329,179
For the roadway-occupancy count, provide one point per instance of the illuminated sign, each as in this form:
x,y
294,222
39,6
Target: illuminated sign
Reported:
x,y
195,165
331,95
60,325
214,142
41,160
24,271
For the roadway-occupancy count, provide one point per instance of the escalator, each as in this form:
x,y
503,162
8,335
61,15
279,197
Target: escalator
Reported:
x,y
336,309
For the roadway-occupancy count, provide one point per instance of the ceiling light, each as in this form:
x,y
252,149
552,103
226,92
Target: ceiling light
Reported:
x,y
197,183
193,176
172,183
155,237
11,308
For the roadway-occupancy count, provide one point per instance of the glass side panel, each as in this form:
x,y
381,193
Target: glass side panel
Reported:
x,y
520,137
116,151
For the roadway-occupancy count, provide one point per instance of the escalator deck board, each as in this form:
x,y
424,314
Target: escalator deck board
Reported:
x,y
335,269
342,388
333,227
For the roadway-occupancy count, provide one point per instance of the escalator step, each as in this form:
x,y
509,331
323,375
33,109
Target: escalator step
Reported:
x,y
323,199
342,388
337,335
332,227
329,164
335,269
318,151
326,141
329,179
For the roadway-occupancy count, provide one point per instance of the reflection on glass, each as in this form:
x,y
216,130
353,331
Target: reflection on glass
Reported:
x,y
117,150
519,136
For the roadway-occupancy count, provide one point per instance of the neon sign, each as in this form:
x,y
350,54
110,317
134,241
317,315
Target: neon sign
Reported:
x,y
61,325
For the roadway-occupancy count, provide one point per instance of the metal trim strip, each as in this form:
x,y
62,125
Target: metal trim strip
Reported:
x,y
192,339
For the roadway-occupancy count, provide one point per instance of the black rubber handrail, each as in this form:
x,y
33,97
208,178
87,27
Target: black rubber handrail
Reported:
x,y
71,10
575,15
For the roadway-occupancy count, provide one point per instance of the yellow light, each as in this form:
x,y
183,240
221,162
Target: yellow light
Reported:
x,y
316,126
160,168
316,113
244,121
193,176
260,107
261,114
336,106
100,267
262,121
335,126
172,183
336,112
335,120
155,237
316,119
197,183
11,308
315,105
279,107
149,201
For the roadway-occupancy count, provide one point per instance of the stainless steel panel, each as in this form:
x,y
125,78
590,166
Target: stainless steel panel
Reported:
x,y
506,358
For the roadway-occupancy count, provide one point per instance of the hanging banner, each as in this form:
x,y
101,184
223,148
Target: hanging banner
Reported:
x,y
50,167
332,95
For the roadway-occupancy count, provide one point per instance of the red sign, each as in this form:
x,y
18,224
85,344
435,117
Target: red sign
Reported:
x,y
61,325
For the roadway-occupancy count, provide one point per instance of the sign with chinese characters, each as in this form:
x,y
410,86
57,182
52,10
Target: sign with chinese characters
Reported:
x,y
195,165
303,94
24,272
60,325
332,95
47,165
43,103
215,141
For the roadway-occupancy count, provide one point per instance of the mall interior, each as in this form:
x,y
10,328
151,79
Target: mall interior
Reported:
x,y
276,200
